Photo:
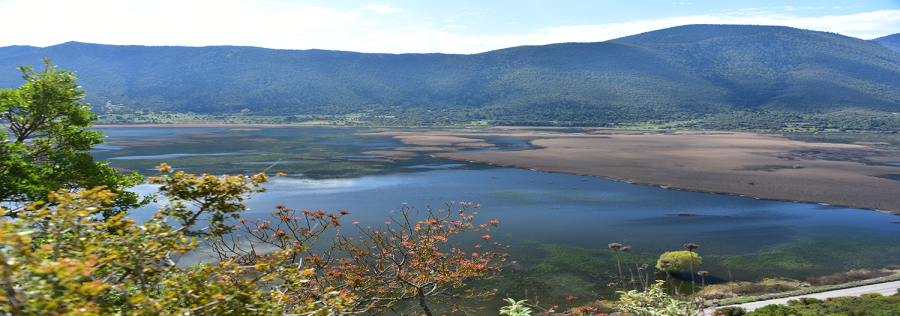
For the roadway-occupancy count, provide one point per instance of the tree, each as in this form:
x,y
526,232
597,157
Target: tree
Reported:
x,y
410,258
45,141
680,260
56,259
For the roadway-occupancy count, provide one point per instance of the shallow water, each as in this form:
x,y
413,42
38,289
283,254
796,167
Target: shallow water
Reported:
x,y
558,225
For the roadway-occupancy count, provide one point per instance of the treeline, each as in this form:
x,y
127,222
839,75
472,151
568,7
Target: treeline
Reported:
x,y
685,73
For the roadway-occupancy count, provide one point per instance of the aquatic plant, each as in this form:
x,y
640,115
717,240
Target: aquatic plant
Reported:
x,y
676,261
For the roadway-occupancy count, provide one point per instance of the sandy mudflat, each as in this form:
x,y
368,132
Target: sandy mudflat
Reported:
x,y
748,164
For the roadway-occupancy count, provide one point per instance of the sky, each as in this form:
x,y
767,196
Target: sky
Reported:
x,y
410,26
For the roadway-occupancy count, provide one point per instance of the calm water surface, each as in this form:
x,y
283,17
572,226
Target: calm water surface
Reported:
x,y
558,225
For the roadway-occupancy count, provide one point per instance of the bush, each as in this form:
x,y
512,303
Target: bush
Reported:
x,y
515,308
804,301
776,310
868,304
731,311
58,258
679,260
654,301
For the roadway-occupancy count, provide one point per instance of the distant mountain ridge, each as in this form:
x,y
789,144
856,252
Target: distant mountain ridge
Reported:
x,y
8,51
734,73
890,41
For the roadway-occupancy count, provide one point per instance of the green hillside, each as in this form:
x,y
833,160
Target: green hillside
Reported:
x,y
890,41
712,76
7,51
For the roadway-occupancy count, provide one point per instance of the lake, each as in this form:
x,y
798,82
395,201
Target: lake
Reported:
x,y
558,225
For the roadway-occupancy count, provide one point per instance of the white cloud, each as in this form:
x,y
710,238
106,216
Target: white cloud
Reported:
x,y
292,26
381,9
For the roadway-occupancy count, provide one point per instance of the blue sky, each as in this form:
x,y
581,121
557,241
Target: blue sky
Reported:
x,y
408,26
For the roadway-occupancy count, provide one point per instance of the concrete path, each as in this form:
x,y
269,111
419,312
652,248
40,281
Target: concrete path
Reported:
x,y
887,288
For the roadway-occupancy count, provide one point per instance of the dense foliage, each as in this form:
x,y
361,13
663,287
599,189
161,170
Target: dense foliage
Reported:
x,y
698,76
865,305
45,142
655,301
679,260
60,260
56,258
65,251
891,41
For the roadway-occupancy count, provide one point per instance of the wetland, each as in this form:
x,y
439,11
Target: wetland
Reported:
x,y
558,224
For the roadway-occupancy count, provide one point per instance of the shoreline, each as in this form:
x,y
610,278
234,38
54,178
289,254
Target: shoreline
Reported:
x,y
668,187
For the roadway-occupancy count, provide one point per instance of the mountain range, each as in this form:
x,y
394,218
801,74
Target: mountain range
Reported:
x,y
724,76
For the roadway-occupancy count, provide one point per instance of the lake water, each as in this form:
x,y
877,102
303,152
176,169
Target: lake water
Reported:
x,y
558,225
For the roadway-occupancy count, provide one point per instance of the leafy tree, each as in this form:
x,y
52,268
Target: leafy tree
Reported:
x,y
679,260
45,142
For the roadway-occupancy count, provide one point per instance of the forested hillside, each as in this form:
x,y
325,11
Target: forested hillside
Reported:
x,y
706,76
890,41
15,50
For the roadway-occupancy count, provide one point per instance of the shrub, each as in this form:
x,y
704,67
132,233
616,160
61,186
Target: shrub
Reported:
x,y
804,301
654,301
679,260
56,258
731,311
59,260
776,310
515,308
410,259
867,304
